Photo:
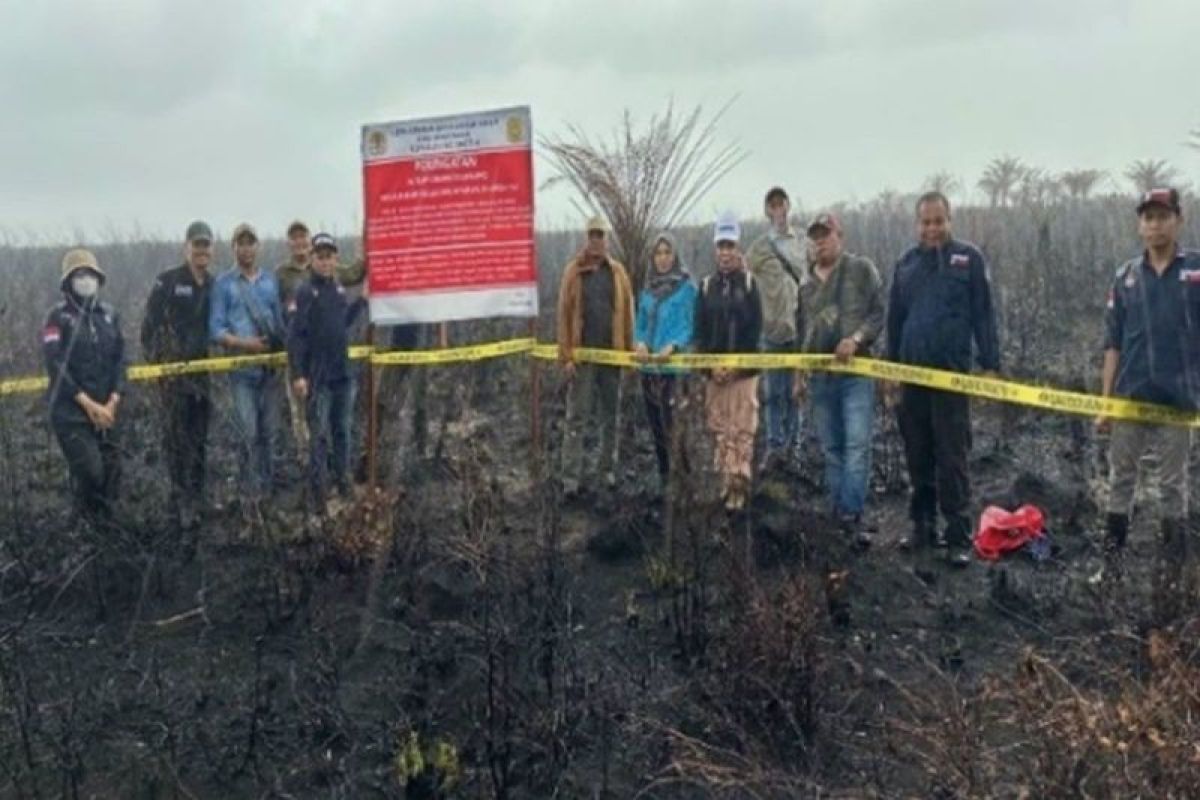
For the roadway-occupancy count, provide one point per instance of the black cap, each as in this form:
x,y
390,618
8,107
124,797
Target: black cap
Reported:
x,y
1164,197
199,230
776,192
324,240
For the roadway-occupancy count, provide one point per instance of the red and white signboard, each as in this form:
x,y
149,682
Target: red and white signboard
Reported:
x,y
449,209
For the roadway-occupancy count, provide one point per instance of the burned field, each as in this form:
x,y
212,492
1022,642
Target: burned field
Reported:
x,y
468,632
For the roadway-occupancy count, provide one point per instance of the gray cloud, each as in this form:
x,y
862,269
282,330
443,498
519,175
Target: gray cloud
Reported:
x,y
151,112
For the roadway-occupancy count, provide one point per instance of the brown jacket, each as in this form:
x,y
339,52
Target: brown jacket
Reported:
x,y
570,308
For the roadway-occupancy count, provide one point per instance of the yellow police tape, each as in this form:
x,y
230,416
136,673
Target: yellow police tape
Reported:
x,y
973,385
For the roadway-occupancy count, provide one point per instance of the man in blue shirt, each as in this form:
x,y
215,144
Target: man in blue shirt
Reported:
x,y
941,302
246,319
1152,353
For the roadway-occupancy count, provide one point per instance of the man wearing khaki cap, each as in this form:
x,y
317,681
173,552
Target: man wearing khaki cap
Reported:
x,y
595,309
84,353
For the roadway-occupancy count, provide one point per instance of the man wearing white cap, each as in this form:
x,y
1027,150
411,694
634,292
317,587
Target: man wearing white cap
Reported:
x,y
84,353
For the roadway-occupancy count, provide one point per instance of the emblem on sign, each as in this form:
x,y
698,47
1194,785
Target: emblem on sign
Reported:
x,y
376,143
514,129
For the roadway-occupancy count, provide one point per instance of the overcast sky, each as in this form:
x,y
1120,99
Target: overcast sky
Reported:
x,y
128,115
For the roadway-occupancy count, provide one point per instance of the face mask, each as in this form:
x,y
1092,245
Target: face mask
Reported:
x,y
85,286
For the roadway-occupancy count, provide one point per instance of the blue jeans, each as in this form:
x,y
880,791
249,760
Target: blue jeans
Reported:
x,y
257,402
843,409
784,418
330,413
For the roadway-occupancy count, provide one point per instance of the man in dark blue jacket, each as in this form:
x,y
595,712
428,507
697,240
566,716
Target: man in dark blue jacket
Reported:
x,y
941,300
318,339
1152,354
175,328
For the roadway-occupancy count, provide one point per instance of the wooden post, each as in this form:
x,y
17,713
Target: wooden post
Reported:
x,y
535,408
372,417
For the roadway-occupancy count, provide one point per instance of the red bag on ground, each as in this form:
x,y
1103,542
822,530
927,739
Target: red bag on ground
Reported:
x,y
1003,531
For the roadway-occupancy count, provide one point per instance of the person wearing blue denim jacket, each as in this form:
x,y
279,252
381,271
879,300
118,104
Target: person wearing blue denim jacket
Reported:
x,y
663,325
246,319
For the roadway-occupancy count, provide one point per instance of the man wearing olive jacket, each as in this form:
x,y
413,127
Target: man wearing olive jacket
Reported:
x,y
842,313
595,309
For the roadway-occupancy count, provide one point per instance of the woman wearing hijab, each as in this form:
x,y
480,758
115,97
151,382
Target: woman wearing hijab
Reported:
x,y
729,320
663,326
85,359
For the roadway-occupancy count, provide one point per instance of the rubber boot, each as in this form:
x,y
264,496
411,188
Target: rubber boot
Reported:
x,y
1169,571
1116,532
957,540
921,535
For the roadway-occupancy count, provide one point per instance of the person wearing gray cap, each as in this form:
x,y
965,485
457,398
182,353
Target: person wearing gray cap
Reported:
x,y
84,353
175,328
841,313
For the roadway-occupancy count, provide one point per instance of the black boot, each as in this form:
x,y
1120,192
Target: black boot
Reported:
x,y
1116,532
956,538
922,534
1169,587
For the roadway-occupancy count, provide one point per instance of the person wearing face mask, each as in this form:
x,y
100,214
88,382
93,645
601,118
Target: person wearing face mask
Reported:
x,y
84,353
175,328
663,326
729,319
595,309
941,302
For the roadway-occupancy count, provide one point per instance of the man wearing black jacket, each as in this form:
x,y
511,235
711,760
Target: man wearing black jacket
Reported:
x,y
941,301
175,328
318,339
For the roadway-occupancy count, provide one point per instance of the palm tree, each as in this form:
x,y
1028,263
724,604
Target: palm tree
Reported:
x,y
1080,183
1150,174
643,179
1000,178
942,181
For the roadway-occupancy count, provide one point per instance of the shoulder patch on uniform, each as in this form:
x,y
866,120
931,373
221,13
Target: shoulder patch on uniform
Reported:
x,y
51,334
